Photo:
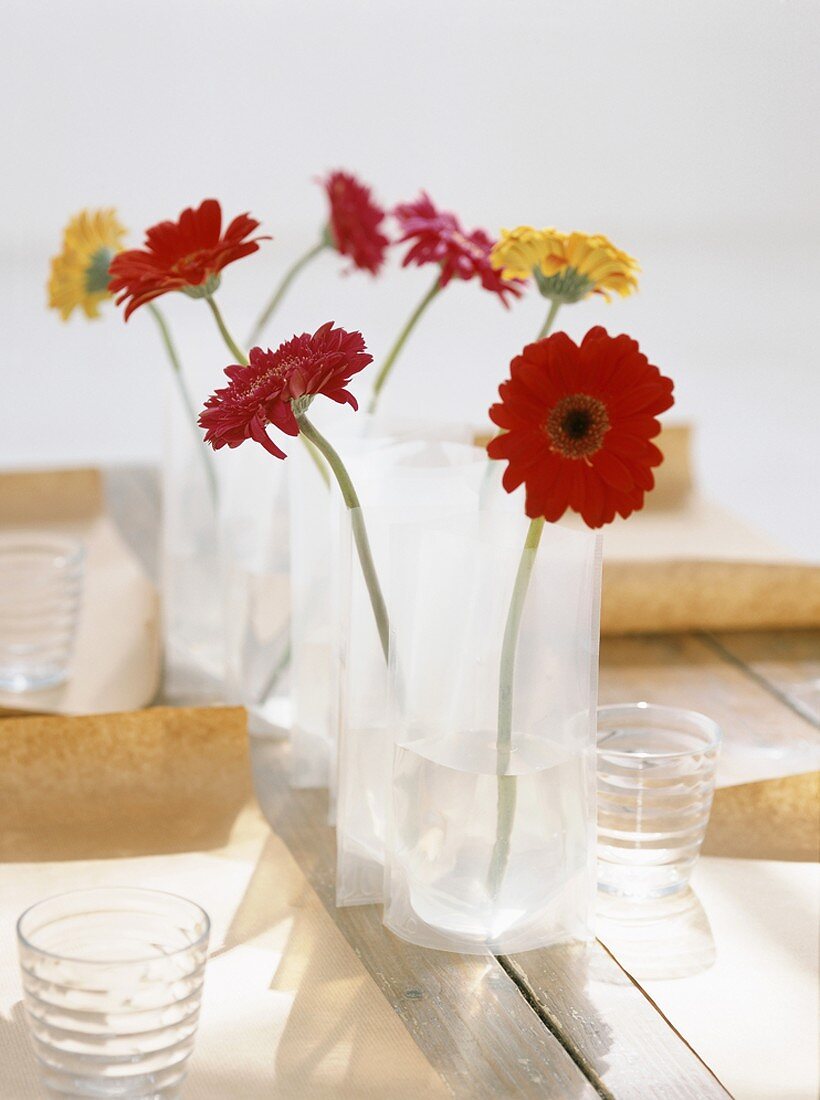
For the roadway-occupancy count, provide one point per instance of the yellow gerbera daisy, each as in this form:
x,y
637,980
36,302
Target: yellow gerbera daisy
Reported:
x,y
566,266
79,274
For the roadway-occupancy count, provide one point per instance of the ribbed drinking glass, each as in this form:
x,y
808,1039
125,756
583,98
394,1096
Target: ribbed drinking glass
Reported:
x,y
656,778
41,579
112,982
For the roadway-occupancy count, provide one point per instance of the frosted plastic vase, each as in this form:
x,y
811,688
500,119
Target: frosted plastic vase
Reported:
x,y
318,580
255,538
400,485
314,671
487,850
191,573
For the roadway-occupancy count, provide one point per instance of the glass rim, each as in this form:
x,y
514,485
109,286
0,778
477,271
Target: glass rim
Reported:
x,y
706,726
70,548
23,939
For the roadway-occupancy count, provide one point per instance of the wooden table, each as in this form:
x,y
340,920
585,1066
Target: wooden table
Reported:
x,y
567,1021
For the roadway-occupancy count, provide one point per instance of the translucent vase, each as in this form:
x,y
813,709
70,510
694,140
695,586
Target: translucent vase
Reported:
x,y
314,675
400,485
255,539
319,576
191,568
492,848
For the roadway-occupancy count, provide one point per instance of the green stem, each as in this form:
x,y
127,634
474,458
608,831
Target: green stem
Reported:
x,y
283,288
276,672
190,408
232,345
546,328
351,499
507,789
401,340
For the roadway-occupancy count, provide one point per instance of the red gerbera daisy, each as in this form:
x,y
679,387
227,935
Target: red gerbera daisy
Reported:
x,y
439,238
184,255
354,221
577,426
277,386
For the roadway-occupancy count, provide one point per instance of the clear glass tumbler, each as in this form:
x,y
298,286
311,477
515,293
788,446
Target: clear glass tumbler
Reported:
x,y
41,579
112,982
656,778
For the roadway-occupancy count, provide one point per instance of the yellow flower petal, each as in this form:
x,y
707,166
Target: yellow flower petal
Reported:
x,y
78,276
568,266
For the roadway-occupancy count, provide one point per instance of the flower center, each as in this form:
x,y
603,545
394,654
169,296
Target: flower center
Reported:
x,y
260,386
577,425
193,262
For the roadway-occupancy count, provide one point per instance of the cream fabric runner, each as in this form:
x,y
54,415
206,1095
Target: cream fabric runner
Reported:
x,y
752,1013
289,1011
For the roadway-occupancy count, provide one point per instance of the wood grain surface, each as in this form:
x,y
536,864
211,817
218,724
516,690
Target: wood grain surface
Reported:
x,y
698,673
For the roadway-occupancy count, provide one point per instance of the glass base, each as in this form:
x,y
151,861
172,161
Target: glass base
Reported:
x,y
33,679
643,883
656,938
159,1085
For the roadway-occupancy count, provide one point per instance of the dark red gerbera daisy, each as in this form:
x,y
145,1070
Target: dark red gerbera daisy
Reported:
x,y
278,385
577,426
184,255
354,221
439,238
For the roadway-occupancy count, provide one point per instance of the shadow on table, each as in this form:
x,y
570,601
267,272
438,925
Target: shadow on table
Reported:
x,y
655,939
309,1021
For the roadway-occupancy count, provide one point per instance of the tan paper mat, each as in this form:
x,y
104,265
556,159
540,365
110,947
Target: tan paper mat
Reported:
x,y
289,1010
686,563
774,819
165,779
116,664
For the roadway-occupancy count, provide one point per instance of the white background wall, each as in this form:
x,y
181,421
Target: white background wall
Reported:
x,y
685,131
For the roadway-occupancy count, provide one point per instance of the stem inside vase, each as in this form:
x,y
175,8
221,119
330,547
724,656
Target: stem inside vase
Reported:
x,y
360,537
507,784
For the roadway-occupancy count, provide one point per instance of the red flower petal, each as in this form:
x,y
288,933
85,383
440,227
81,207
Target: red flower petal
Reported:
x,y
178,254
262,393
438,237
578,424
355,221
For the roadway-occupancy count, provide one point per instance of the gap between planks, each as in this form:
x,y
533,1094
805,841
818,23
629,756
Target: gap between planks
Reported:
x,y
552,1025
716,645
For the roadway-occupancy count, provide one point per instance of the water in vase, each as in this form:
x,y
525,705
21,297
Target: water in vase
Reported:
x,y
446,791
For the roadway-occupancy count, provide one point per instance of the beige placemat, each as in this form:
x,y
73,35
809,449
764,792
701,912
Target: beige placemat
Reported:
x,y
289,1011
752,1014
116,663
